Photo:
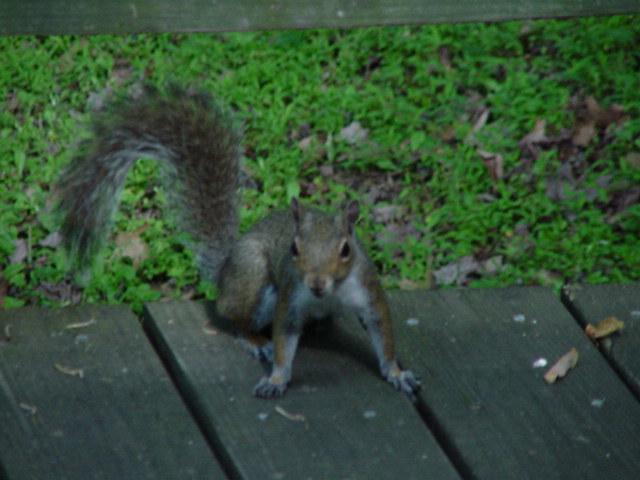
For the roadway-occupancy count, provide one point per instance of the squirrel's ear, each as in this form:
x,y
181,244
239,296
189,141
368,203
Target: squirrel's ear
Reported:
x,y
297,209
351,214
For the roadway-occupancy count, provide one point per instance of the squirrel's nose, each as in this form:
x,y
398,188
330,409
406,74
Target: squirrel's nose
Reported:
x,y
317,291
318,284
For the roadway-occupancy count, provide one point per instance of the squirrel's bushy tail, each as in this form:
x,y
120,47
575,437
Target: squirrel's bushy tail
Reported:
x,y
198,150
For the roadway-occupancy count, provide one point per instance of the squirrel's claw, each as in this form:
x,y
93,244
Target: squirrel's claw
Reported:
x,y
268,389
405,382
265,353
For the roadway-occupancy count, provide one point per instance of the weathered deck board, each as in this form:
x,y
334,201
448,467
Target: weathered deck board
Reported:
x,y
500,416
592,303
53,17
355,425
122,419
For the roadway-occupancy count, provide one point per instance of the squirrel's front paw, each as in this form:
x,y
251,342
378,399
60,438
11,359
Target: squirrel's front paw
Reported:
x,y
269,387
404,381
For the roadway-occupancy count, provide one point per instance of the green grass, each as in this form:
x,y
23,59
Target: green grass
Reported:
x,y
417,92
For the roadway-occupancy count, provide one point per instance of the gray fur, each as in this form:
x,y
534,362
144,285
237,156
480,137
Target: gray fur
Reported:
x,y
178,129
263,315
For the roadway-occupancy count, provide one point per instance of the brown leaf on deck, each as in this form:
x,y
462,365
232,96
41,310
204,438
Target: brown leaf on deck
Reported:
x,y
296,417
73,326
32,409
209,329
604,328
74,372
562,366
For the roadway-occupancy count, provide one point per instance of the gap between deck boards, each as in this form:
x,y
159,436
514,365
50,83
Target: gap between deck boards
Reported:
x,y
429,418
164,352
183,349
569,302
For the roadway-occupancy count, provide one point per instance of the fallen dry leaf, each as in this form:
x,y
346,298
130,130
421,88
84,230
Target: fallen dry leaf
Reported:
x,y
326,170
4,289
32,409
632,159
387,213
537,135
494,163
354,133
52,240
305,143
493,265
583,134
481,116
481,120
74,372
209,329
457,272
131,245
623,199
7,332
562,366
72,326
604,328
406,284
12,103
534,141
121,70
448,135
20,253
296,417
603,117
445,57
65,290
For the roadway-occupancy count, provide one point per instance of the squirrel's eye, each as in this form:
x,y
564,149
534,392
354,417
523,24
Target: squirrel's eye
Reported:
x,y
294,249
345,251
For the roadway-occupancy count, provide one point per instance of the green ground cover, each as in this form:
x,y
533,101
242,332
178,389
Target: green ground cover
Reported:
x,y
483,155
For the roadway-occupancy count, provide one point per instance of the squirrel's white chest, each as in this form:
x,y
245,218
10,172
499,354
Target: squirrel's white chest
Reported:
x,y
351,292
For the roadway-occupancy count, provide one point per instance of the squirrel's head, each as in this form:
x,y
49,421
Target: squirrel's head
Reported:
x,y
323,246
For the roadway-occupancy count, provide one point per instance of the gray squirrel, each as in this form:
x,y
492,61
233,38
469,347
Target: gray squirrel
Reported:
x,y
289,267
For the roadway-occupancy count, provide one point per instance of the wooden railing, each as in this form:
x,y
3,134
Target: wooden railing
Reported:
x,y
53,17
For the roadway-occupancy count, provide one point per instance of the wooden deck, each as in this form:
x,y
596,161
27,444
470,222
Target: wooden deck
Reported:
x,y
91,392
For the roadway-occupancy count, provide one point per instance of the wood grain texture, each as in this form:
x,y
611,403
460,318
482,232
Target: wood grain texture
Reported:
x,y
121,418
50,17
593,303
475,349
347,422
